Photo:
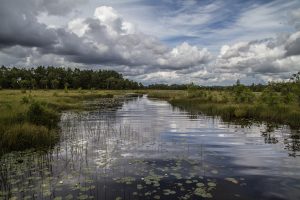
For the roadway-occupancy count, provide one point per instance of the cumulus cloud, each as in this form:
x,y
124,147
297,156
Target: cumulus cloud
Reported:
x,y
19,24
105,38
265,56
125,44
292,45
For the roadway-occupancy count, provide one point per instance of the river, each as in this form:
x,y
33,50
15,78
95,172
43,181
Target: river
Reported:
x,y
147,149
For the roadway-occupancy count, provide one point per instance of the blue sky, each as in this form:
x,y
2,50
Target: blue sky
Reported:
x,y
168,41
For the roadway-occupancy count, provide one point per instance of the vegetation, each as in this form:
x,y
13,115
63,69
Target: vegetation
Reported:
x,y
63,78
276,103
29,118
29,115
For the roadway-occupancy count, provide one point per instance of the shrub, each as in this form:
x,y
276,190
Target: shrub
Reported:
x,y
270,97
194,93
39,115
66,87
240,112
25,100
289,98
243,94
21,136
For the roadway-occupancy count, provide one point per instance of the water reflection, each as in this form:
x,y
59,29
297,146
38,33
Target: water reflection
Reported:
x,y
146,149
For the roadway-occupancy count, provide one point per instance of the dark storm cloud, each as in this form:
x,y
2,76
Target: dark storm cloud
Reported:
x,y
28,36
19,25
105,38
292,45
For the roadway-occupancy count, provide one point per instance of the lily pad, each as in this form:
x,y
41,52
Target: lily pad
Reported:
x,y
233,180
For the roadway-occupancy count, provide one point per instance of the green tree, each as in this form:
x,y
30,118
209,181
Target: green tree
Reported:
x,y
54,84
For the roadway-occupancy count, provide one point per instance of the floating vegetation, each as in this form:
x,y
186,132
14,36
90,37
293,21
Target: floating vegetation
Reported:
x,y
177,175
153,178
201,191
139,187
169,192
69,197
204,191
127,180
232,180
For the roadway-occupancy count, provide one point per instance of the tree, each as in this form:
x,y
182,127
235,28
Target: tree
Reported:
x,y
54,84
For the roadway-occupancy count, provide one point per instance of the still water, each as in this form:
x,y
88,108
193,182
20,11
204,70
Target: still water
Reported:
x,y
147,149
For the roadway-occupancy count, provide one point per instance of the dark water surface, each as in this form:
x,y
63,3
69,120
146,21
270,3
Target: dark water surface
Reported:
x,y
146,149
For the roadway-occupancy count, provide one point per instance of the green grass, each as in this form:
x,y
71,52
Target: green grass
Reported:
x,y
23,135
230,107
28,119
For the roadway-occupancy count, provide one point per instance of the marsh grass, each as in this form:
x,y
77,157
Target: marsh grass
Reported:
x,y
28,135
29,120
267,106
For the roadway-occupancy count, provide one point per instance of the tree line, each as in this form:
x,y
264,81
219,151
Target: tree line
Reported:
x,y
291,86
60,78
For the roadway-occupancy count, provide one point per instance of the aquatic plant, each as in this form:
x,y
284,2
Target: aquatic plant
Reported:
x,y
21,136
41,110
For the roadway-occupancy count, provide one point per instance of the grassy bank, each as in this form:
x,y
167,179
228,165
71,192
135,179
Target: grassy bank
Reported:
x,y
235,106
28,119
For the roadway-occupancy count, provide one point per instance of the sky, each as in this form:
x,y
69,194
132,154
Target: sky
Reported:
x,y
167,41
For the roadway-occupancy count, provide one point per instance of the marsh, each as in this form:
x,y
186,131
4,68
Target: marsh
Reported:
x,y
144,148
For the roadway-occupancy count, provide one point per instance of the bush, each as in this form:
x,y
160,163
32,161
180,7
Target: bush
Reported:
x,y
243,94
66,87
289,98
21,136
39,115
25,100
240,112
195,93
270,97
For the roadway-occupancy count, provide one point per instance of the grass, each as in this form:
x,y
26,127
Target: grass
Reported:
x,y
232,107
28,119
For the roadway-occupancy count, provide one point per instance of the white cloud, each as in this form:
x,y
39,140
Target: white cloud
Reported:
x,y
110,33
78,26
265,56
185,55
127,36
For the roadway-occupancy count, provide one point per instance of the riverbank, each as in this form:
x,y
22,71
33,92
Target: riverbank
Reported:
x,y
29,119
256,106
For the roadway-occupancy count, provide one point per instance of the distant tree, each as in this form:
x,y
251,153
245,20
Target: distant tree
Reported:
x,y
44,83
24,84
56,77
54,84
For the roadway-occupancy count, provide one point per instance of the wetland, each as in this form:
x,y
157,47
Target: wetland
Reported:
x,y
144,148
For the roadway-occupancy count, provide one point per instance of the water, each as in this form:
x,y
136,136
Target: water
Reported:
x,y
147,149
